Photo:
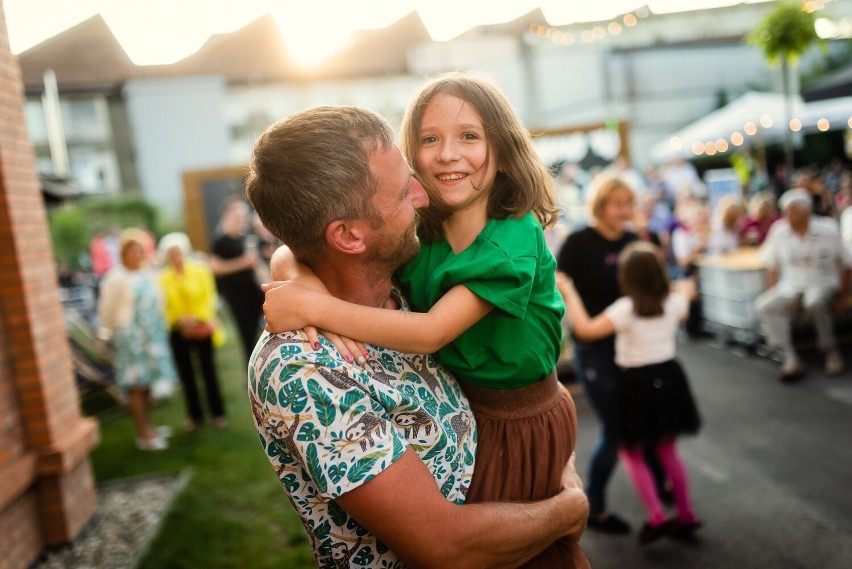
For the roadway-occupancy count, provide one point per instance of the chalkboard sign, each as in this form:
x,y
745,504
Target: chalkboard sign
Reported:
x,y
205,191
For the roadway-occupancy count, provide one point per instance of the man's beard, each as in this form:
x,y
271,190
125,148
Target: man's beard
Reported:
x,y
392,252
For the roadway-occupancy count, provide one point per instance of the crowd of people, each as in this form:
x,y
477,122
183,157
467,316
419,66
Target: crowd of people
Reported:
x,y
406,381
157,306
673,211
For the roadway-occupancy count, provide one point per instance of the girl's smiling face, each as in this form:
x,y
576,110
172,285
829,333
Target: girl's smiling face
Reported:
x,y
453,152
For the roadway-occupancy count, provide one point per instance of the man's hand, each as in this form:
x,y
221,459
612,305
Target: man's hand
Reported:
x,y
577,503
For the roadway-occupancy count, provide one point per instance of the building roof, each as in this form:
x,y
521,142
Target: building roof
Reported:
x,y
88,57
84,57
838,83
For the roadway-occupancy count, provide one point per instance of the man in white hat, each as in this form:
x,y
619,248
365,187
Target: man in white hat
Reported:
x,y
808,269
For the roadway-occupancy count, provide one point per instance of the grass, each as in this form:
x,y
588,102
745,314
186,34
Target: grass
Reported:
x,y
233,512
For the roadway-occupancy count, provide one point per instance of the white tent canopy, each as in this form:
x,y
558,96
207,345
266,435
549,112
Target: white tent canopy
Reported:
x,y
754,118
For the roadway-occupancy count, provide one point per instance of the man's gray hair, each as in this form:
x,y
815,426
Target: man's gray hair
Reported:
x,y
799,197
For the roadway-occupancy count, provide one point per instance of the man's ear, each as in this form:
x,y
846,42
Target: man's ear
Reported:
x,y
347,236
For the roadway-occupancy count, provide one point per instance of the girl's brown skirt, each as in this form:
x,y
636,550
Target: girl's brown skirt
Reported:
x,y
525,438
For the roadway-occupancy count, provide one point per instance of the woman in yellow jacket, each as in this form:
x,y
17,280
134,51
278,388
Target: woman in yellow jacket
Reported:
x,y
190,300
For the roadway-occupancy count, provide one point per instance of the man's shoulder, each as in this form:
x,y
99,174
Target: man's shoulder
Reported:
x,y
825,226
278,349
287,357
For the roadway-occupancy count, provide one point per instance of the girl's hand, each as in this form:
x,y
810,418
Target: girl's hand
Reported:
x,y
686,287
351,350
565,286
563,282
285,306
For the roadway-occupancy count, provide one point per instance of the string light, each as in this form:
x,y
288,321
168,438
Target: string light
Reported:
x,y
631,19
737,138
589,35
814,5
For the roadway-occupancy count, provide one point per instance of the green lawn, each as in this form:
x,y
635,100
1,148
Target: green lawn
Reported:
x,y
233,512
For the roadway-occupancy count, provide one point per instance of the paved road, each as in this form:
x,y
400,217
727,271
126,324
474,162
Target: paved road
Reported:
x,y
771,471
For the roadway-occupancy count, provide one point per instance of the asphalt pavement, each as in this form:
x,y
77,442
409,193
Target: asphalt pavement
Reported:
x,y
770,471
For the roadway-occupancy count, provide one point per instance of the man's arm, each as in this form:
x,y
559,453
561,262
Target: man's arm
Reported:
x,y
771,277
404,508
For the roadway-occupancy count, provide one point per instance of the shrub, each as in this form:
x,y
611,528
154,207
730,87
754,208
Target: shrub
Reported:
x,y
72,227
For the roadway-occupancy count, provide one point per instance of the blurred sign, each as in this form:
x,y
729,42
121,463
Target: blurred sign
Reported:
x,y
721,182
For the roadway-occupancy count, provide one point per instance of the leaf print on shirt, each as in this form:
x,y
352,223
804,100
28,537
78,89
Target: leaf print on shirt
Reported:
x,y
263,384
436,450
292,396
388,363
313,465
363,466
323,404
336,513
364,557
322,530
386,402
445,489
308,433
336,472
350,398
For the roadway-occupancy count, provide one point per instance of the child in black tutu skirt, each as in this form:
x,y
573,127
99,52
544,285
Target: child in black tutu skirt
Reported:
x,y
654,400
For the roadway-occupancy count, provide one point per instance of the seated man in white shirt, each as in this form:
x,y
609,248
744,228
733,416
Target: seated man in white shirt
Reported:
x,y
807,267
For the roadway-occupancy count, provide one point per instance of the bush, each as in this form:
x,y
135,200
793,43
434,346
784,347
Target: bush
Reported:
x,y
72,227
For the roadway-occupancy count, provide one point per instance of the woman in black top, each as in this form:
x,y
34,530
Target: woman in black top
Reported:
x,y
234,265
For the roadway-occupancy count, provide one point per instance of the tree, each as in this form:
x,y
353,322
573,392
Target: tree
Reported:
x,y
783,35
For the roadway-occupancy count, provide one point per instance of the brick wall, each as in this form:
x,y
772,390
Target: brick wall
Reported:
x,y
47,493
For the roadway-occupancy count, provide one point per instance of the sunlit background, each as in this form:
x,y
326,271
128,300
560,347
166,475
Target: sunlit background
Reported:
x,y
165,31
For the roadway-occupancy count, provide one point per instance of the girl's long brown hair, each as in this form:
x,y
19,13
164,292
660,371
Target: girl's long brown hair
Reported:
x,y
523,183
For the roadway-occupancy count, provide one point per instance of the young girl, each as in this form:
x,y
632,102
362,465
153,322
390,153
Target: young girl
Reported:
x,y
487,279
655,404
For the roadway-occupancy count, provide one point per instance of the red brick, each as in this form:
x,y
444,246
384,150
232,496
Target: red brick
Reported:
x,y
40,419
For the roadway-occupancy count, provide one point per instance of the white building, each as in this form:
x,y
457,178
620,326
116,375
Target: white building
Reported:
x,y
131,128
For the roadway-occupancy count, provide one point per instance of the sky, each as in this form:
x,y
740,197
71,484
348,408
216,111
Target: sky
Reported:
x,y
165,31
